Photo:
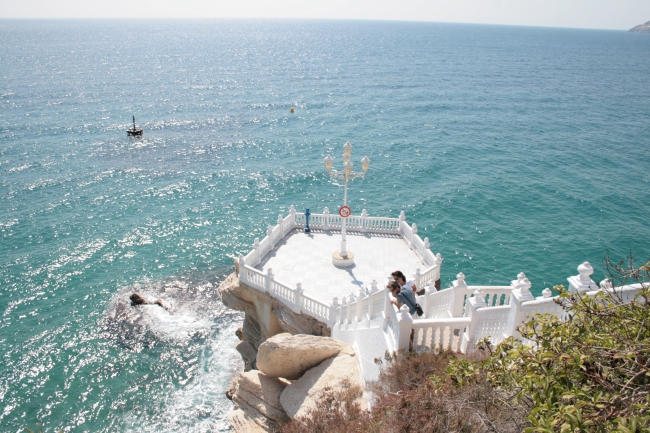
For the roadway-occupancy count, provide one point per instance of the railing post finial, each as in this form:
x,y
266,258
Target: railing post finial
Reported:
x,y
402,216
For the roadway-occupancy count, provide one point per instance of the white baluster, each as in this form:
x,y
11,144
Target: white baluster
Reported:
x,y
326,218
242,263
405,324
298,296
256,247
417,277
269,280
582,282
414,232
473,304
460,290
364,221
334,306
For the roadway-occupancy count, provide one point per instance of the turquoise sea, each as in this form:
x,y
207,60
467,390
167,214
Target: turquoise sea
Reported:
x,y
513,149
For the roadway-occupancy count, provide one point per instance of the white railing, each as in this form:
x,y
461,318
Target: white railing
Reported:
x,y
439,334
370,305
437,304
455,318
492,323
491,311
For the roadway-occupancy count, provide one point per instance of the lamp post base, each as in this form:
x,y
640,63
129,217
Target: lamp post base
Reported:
x,y
342,261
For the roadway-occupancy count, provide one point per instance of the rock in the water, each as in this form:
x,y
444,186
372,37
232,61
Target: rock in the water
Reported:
x,y
289,356
641,28
137,299
338,374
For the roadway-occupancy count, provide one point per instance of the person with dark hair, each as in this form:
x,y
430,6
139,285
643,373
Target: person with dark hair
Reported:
x,y
401,279
403,296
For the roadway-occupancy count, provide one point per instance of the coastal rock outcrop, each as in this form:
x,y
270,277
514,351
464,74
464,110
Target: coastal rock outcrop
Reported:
x,y
263,398
338,374
297,323
290,356
264,317
257,397
641,28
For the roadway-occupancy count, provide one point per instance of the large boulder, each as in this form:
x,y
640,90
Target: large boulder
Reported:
x,y
338,375
289,356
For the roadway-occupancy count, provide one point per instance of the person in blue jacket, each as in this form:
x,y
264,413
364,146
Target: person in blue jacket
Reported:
x,y
403,296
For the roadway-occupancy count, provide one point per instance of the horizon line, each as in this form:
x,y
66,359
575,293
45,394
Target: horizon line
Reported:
x,y
299,19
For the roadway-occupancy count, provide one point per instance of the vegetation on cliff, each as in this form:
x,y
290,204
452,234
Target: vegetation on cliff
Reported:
x,y
589,373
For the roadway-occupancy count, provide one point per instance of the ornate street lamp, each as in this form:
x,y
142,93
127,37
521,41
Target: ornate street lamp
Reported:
x,y
344,258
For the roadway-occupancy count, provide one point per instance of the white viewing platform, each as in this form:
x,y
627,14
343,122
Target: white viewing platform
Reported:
x,y
296,268
306,258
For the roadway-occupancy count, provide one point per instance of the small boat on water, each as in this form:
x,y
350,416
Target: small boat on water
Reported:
x,y
134,131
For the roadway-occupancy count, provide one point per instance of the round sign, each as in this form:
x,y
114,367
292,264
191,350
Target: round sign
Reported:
x,y
344,211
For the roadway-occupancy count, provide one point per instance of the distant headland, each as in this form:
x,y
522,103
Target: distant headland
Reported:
x,y
641,28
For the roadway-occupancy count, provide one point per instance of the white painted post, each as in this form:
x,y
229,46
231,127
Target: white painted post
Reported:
x,y
242,263
364,221
281,229
326,218
417,279
582,283
269,280
256,247
362,294
334,306
298,296
344,303
292,212
427,303
351,300
458,300
269,233
437,277
520,294
386,312
404,326
425,246
468,341
402,216
414,233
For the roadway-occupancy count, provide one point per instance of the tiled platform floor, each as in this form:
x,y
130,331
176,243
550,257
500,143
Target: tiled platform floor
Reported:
x,y
307,259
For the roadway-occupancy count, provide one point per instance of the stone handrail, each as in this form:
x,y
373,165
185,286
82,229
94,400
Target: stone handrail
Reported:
x,y
297,300
492,311
439,334
293,298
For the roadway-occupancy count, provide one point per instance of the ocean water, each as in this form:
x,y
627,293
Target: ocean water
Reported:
x,y
513,149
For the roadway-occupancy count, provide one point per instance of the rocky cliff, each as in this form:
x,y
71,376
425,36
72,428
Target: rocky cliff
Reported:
x,y
294,373
641,28
264,317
